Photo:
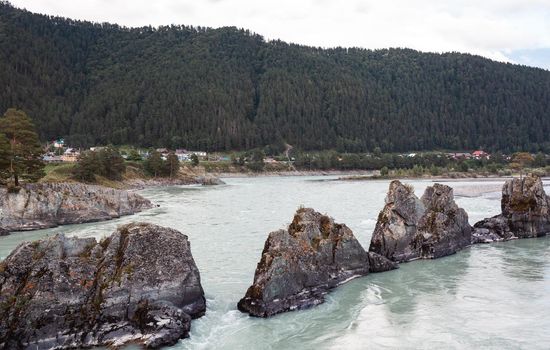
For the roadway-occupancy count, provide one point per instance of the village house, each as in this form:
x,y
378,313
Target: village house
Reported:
x,y
479,154
70,155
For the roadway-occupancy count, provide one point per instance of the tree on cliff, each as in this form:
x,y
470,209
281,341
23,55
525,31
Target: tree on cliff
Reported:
x,y
25,152
113,163
154,164
172,165
87,167
107,163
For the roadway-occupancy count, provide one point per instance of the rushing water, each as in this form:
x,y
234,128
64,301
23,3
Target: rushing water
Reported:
x,y
491,296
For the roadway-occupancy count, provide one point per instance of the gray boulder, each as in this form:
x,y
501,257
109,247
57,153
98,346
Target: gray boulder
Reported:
x,y
525,213
301,264
139,285
44,205
410,228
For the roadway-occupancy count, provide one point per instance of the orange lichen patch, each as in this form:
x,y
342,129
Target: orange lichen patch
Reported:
x,y
29,286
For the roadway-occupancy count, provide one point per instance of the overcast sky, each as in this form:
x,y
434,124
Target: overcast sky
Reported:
x,y
505,30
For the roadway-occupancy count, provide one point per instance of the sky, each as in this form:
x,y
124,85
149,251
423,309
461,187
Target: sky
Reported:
x,y
516,31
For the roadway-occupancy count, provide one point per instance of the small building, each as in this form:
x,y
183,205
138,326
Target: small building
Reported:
x,y
59,143
479,154
71,155
198,153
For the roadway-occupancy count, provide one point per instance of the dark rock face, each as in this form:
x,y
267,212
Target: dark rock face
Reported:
x,y
379,263
410,228
140,284
38,206
525,213
300,265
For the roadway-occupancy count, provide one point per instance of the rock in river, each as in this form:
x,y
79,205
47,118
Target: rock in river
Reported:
x,y
299,265
44,205
525,213
410,228
139,285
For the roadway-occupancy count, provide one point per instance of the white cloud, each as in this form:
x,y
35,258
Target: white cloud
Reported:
x,y
491,28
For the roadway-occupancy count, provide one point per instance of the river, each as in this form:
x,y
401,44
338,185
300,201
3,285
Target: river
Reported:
x,y
490,296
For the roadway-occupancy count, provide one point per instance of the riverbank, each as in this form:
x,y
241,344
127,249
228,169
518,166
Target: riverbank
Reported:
x,y
133,178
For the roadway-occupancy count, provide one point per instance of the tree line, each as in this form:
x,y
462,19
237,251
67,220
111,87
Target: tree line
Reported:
x,y
229,89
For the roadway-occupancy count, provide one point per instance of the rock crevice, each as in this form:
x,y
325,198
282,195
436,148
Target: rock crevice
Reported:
x,y
429,227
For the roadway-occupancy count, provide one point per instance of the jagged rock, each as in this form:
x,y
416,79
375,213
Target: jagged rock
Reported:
x,y
379,263
301,264
410,228
44,205
525,213
4,232
209,180
139,285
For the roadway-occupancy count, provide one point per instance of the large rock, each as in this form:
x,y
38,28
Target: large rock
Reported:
x,y
410,228
300,265
139,285
44,205
525,213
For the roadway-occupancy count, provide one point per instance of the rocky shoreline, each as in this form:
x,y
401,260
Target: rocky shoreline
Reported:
x,y
141,284
45,205
203,180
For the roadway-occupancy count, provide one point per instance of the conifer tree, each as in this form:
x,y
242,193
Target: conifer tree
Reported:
x,y
172,165
4,157
154,164
25,151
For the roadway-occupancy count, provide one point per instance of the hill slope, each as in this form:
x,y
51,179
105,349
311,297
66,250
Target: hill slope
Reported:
x,y
220,89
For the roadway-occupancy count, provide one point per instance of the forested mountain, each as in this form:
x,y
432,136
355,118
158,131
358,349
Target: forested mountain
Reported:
x,y
221,89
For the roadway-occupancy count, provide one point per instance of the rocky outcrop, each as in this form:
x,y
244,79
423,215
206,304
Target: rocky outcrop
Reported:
x,y
410,228
139,285
301,264
204,180
44,205
525,213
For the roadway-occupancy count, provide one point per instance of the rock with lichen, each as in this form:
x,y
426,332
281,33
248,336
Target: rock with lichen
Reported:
x,y
43,205
525,213
300,265
139,285
429,227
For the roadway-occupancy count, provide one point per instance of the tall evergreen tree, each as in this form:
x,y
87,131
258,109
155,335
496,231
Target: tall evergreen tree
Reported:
x,y
113,163
25,152
4,157
172,165
154,164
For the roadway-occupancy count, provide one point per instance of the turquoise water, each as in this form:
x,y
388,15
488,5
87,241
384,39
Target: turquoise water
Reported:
x,y
490,296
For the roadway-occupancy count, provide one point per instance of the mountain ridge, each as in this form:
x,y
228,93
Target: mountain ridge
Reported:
x,y
228,89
